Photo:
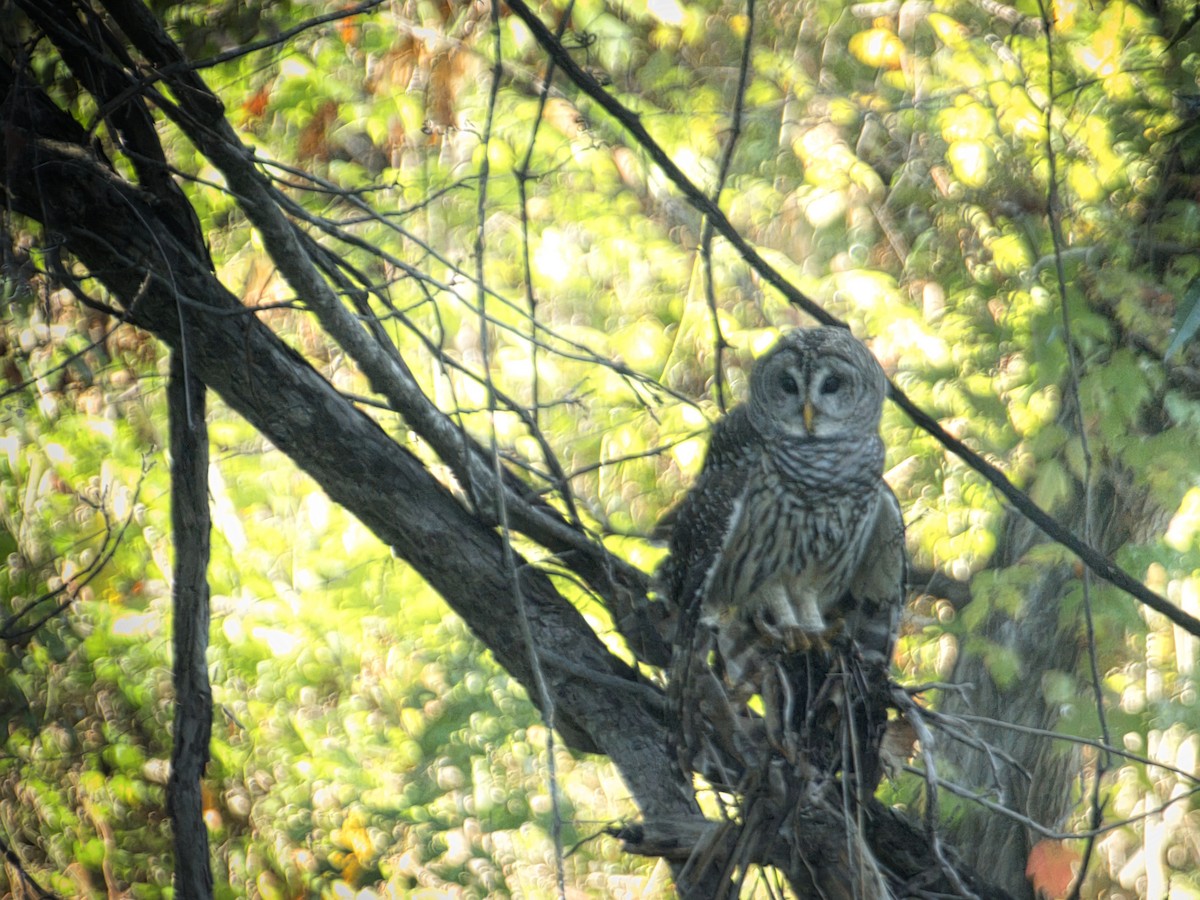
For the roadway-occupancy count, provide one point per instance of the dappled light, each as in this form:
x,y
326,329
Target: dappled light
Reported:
x,y
535,269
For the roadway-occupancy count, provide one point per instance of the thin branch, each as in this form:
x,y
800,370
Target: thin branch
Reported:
x,y
1104,567
337,269
632,123
576,352
735,131
66,362
112,540
1081,741
958,730
1090,556
546,700
1103,760
284,36
522,177
913,715
1040,829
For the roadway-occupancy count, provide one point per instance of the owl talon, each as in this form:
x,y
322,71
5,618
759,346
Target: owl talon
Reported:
x,y
806,641
796,627
797,640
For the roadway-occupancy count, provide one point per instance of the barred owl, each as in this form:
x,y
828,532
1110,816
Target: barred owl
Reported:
x,y
790,543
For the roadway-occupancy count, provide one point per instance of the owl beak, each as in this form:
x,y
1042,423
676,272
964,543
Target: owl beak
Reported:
x,y
808,416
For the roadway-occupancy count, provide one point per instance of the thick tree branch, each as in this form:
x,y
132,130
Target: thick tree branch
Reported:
x,y
63,185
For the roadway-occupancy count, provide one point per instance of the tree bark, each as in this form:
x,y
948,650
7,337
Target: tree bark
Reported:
x,y
191,524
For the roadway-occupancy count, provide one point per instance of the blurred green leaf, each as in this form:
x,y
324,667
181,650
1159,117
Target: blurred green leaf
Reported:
x,y
1187,319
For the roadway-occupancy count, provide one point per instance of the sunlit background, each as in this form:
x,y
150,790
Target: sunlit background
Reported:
x,y
891,159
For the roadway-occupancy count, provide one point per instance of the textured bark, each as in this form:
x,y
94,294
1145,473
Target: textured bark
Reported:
x,y
191,524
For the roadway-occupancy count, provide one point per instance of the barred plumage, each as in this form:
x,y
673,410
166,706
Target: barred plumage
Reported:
x,y
790,542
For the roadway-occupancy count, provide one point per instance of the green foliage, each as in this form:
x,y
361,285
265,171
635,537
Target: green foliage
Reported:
x,y
896,168
1187,319
362,738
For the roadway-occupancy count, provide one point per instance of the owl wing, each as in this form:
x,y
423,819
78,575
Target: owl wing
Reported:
x,y
708,513
875,599
708,730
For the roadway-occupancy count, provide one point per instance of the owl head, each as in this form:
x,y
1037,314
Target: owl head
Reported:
x,y
817,383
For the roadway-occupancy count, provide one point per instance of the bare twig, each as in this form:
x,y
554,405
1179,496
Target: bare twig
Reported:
x,y
66,363
913,715
68,591
546,700
522,175
562,346
735,131
1081,741
286,35
1103,760
1040,829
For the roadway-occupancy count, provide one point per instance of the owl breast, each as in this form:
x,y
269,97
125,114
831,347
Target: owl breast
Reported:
x,y
790,556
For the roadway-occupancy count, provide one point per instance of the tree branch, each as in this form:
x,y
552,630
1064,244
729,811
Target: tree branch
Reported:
x,y
191,527
1100,564
61,184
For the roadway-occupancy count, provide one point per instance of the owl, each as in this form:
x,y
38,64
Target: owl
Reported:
x,y
790,544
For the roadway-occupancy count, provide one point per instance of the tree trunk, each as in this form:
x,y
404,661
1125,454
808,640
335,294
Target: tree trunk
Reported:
x,y
1033,776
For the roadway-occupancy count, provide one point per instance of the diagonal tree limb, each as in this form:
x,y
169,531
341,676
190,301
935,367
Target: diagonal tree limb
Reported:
x,y
1096,561
201,116
359,466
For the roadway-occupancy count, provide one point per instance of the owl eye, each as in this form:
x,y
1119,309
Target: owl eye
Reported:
x,y
788,383
831,385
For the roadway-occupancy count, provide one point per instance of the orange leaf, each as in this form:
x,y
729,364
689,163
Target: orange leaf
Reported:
x,y
256,104
311,143
348,29
1051,868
